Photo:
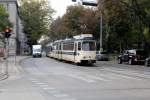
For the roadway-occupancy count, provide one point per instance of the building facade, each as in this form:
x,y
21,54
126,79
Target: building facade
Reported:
x,y
18,39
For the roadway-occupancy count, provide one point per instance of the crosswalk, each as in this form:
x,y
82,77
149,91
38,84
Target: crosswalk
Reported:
x,y
102,75
106,75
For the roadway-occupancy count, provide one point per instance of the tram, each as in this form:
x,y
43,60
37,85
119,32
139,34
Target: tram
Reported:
x,y
81,49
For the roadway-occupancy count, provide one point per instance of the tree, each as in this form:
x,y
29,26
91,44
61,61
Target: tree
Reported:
x,y
76,20
116,24
4,22
37,17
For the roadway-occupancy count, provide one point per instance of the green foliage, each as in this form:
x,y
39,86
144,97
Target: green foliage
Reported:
x,y
4,21
37,17
126,23
76,20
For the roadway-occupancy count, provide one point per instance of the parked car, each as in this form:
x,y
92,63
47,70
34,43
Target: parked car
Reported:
x,y
147,62
102,56
133,56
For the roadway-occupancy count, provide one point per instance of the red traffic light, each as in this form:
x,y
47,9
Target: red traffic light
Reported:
x,y
7,30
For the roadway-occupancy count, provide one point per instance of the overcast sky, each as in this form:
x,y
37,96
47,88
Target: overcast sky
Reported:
x,y
60,6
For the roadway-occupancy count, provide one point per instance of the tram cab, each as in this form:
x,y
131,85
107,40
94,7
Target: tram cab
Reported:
x,y
85,49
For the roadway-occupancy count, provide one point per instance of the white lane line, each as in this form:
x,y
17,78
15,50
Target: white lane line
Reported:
x,y
61,95
39,83
32,79
35,81
49,88
54,91
114,72
85,79
44,85
69,99
82,78
128,77
97,78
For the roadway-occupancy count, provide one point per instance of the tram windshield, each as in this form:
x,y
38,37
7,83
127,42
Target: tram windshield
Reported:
x,y
88,46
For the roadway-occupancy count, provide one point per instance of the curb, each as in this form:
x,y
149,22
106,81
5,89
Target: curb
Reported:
x,y
18,64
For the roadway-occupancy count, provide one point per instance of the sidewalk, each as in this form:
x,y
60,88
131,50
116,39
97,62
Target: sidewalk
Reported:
x,y
13,69
16,86
3,74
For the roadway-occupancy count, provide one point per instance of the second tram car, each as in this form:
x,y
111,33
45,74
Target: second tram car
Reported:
x,y
81,49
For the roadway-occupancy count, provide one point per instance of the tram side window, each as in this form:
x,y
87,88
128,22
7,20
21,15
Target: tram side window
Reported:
x,y
79,45
68,46
57,46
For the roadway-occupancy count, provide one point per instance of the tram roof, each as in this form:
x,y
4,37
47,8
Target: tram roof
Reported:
x,y
72,40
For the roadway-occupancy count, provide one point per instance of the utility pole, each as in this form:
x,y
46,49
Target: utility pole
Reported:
x,y
101,32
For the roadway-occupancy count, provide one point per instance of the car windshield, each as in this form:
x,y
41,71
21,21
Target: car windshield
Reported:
x,y
37,50
88,46
140,52
104,53
132,52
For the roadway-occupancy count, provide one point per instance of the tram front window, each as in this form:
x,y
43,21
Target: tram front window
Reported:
x,y
88,46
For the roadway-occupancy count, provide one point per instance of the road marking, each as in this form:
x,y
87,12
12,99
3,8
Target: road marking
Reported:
x,y
61,95
69,99
49,88
44,85
54,91
82,78
121,73
39,83
97,78
32,79
35,81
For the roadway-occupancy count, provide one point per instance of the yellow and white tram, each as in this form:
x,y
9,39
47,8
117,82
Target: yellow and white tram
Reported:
x,y
80,49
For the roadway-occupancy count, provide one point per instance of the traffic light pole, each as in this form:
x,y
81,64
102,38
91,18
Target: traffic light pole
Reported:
x,y
7,54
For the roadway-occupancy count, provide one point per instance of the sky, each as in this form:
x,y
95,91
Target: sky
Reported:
x,y
60,6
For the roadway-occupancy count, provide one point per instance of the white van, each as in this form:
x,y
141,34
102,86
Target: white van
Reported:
x,y
37,50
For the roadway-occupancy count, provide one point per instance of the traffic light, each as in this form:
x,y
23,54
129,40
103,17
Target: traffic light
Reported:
x,y
7,32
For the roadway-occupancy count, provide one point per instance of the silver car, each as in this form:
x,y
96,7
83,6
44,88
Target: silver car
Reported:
x,y
102,56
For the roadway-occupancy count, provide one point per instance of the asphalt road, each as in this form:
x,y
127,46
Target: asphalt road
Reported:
x,y
102,81
49,79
